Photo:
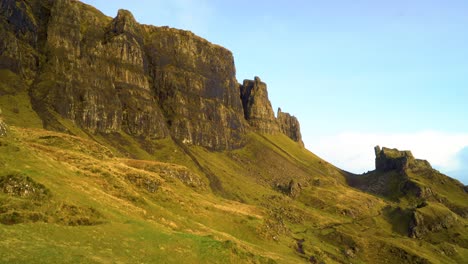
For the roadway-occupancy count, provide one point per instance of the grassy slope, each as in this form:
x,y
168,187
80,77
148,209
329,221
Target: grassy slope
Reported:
x,y
184,221
135,224
101,210
114,198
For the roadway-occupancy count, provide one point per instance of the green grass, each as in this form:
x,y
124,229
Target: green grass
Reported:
x,y
100,208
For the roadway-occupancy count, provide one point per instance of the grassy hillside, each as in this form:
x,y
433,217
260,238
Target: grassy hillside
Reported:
x,y
123,176
69,199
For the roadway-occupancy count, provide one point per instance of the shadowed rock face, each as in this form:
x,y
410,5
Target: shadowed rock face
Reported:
x,y
19,37
259,113
95,74
289,125
392,159
257,108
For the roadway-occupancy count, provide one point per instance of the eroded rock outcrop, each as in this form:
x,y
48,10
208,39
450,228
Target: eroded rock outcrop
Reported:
x,y
289,125
391,175
257,107
423,223
259,113
387,159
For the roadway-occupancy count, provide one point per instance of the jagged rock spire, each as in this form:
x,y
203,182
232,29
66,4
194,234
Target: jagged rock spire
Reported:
x,y
257,107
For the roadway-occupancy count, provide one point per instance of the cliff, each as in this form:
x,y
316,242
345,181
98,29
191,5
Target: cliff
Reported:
x,y
257,108
387,159
259,113
110,75
194,82
289,125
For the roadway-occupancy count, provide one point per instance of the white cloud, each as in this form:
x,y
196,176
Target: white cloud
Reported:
x,y
355,151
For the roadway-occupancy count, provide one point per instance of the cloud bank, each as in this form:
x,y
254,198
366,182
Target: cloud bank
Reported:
x,y
354,152
461,172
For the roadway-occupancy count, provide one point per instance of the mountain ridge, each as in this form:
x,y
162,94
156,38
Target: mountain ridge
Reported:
x,y
114,74
128,143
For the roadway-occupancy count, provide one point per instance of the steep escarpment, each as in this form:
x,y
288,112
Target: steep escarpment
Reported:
x,y
96,74
110,75
194,82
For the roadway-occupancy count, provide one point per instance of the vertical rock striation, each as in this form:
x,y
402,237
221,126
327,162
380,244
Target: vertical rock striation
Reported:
x,y
257,107
18,39
96,73
112,74
196,87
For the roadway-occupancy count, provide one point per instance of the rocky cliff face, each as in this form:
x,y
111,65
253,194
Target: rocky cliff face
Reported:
x,y
259,113
392,159
289,125
96,73
19,38
257,108
195,85
109,75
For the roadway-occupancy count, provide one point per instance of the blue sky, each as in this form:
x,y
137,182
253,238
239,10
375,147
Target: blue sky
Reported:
x,y
355,73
